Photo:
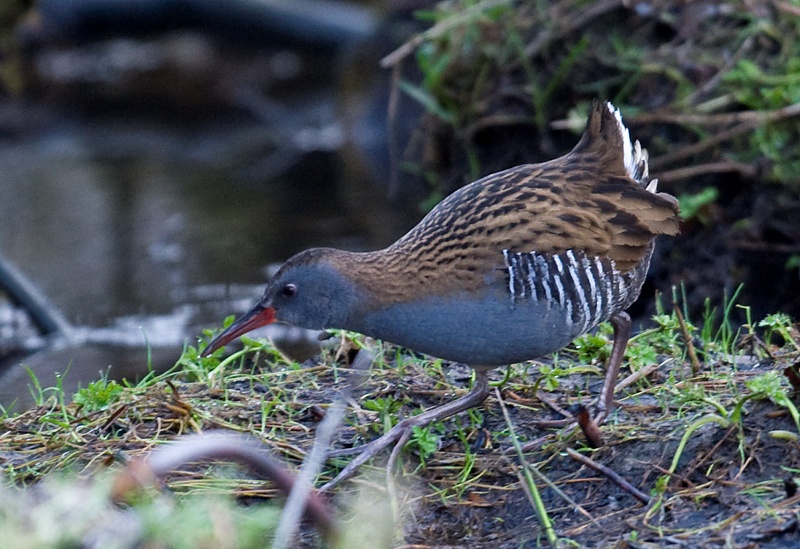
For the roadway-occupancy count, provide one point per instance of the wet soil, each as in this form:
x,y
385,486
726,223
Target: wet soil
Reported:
x,y
732,484
728,487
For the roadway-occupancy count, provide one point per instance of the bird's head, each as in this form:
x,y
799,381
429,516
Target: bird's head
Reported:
x,y
310,290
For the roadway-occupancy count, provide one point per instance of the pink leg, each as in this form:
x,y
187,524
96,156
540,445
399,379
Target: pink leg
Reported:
x,y
477,395
622,332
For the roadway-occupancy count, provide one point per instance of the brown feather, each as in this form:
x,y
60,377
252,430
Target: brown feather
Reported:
x,y
584,201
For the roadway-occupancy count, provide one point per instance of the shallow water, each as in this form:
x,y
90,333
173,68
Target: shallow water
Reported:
x,y
142,233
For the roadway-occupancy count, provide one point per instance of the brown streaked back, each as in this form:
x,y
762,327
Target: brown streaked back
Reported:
x,y
596,200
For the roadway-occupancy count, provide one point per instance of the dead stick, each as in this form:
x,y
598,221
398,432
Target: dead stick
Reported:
x,y
391,487
746,170
714,81
687,338
786,7
754,117
614,477
440,28
636,376
691,150
575,21
754,120
219,446
302,490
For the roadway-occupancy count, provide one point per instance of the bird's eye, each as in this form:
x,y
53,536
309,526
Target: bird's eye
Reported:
x,y
289,290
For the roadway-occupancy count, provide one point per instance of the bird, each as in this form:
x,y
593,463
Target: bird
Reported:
x,y
506,269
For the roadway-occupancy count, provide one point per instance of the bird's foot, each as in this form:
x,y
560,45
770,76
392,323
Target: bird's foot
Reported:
x,y
400,433
580,415
397,435
589,426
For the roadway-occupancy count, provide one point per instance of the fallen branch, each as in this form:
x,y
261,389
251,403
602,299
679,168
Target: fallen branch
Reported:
x,y
303,489
750,121
745,170
636,376
226,447
614,477
687,339
437,30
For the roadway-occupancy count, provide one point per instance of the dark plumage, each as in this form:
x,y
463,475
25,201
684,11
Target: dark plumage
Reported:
x,y
508,268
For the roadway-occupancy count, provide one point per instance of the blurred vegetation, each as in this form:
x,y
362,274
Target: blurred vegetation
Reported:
x,y
11,12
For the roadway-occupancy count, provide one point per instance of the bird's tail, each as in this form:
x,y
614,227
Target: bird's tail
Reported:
x,y
608,141
608,137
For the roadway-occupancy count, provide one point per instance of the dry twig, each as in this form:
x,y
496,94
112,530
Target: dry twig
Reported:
x,y
687,339
748,121
614,477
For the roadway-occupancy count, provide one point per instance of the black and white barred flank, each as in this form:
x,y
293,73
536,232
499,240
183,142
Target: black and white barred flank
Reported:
x,y
589,289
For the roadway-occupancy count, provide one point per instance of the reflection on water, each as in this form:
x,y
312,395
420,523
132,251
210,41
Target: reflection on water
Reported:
x,y
166,153
105,237
151,225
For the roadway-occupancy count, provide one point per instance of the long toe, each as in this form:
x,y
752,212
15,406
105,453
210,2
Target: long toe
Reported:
x,y
368,451
478,394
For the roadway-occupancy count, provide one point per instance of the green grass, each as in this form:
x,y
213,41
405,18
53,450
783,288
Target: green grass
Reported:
x,y
64,512
456,466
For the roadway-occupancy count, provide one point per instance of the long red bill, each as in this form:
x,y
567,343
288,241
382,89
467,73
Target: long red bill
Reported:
x,y
254,318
